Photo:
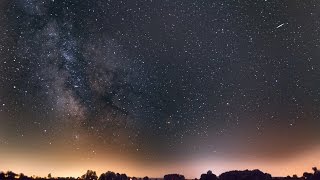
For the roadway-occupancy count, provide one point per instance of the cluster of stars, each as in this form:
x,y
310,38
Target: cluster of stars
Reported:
x,y
176,74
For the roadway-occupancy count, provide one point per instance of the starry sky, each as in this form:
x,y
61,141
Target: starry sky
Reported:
x,y
156,86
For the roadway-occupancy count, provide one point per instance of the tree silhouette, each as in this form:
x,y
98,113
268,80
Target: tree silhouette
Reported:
x,y
315,170
11,175
310,176
307,175
231,175
2,175
108,176
316,174
146,178
295,176
173,177
245,175
22,176
90,175
123,177
208,176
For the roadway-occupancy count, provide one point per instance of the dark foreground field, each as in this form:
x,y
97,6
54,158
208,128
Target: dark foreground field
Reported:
x,y
231,175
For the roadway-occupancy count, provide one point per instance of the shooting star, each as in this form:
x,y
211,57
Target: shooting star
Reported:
x,y
280,26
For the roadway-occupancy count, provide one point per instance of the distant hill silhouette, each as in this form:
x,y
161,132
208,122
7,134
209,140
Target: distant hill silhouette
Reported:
x,y
231,175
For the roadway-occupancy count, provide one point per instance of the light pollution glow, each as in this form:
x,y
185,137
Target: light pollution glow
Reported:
x,y
66,165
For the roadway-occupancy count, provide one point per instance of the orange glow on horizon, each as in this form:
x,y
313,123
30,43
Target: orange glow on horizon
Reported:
x,y
192,169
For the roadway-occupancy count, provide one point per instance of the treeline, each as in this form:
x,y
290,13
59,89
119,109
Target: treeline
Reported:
x,y
231,175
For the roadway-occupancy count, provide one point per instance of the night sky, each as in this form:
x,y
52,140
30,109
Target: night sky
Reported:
x,y
157,86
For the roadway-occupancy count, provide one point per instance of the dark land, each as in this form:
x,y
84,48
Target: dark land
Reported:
x,y
230,175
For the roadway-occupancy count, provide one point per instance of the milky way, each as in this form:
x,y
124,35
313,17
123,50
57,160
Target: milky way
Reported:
x,y
161,81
